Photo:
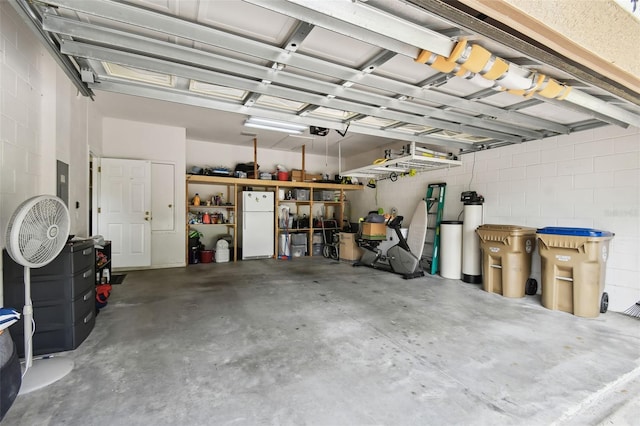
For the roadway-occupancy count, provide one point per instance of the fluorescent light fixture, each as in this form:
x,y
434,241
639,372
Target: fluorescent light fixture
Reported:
x,y
278,126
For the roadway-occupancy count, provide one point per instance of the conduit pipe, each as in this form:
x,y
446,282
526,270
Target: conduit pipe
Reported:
x,y
469,60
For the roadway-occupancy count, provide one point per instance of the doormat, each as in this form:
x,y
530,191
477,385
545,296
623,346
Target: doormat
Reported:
x,y
117,278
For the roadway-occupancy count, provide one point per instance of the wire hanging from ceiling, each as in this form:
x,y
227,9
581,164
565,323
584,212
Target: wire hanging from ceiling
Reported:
x,y
326,152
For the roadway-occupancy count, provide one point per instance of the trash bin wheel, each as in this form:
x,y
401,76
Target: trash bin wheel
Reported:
x,y
531,287
604,303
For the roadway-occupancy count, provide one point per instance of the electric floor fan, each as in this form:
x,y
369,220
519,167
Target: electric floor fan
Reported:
x,y
37,232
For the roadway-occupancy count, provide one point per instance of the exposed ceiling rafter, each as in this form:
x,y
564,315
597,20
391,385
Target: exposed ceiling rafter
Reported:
x,y
262,51
367,81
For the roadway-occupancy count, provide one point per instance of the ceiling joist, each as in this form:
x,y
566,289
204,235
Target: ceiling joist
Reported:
x,y
366,82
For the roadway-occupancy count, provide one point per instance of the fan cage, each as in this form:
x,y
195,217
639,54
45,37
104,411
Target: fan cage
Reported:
x,y
38,231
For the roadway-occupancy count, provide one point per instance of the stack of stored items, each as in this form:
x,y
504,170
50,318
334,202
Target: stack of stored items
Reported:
x,y
374,231
316,241
296,176
246,170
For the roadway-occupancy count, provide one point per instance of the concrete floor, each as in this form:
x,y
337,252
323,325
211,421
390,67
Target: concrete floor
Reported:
x,y
313,341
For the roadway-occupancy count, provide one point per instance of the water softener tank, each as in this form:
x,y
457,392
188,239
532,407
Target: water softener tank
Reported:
x,y
471,255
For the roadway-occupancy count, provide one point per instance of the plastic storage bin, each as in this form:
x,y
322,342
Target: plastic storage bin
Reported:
x,y
299,239
298,251
301,194
573,269
506,259
319,195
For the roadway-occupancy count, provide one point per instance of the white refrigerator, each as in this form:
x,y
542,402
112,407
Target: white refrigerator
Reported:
x,y
257,223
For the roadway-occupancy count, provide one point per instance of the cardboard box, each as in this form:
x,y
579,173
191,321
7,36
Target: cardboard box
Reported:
x,y
349,249
374,231
296,176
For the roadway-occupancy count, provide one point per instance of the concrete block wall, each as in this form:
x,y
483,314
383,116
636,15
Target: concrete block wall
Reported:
x,y
20,89
587,179
21,83
41,120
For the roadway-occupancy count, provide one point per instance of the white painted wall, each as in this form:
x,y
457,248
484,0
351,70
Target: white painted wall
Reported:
x,y
205,153
588,179
158,144
41,121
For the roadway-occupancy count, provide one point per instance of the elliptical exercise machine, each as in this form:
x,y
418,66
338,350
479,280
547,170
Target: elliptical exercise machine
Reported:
x,y
401,260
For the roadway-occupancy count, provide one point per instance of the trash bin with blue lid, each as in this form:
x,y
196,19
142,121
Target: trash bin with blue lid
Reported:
x,y
573,267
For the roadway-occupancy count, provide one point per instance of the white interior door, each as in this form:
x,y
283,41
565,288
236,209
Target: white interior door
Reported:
x,y
124,214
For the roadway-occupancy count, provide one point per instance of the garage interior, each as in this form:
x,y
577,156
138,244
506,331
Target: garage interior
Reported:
x,y
521,101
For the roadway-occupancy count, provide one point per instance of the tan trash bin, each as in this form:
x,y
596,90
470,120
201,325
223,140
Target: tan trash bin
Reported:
x,y
506,259
573,269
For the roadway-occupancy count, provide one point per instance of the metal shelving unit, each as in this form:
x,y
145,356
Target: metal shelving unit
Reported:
x,y
417,161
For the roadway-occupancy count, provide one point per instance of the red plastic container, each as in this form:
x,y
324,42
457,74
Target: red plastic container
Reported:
x,y
206,256
283,175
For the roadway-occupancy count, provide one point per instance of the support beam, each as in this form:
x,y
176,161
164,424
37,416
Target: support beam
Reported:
x,y
33,21
476,127
232,42
178,96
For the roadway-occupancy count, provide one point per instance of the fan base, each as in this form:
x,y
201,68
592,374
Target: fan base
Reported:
x,y
44,372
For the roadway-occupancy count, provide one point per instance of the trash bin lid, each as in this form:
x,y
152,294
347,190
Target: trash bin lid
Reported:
x,y
511,229
574,232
